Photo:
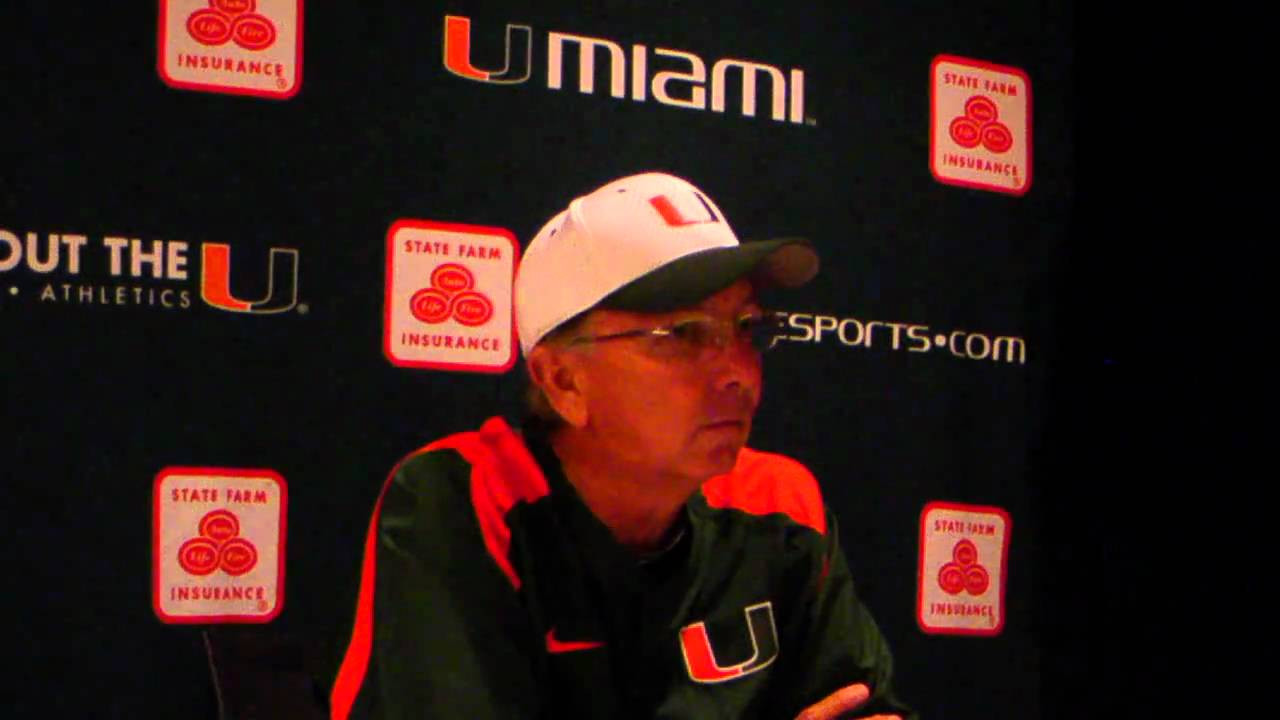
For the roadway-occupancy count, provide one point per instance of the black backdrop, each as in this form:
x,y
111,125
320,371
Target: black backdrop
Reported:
x,y
101,397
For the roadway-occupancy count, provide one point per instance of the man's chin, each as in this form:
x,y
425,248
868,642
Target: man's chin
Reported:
x,y
723,456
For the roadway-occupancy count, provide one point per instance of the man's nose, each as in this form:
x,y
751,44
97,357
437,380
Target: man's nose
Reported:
x,y
736,365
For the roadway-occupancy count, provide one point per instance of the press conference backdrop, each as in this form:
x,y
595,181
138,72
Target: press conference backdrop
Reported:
x,y
252,253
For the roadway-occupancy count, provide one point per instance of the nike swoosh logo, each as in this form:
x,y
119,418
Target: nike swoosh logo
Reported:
x,y
559,646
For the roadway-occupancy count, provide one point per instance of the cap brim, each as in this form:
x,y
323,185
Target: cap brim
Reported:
x,y
785,262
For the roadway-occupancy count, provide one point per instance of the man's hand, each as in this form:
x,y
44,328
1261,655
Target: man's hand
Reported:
x,y
844,700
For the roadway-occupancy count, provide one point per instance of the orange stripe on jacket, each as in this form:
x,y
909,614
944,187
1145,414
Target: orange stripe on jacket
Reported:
x,y
502,474
356,661
763,483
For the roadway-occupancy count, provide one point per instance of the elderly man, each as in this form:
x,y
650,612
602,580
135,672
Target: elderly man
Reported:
x,y
624,554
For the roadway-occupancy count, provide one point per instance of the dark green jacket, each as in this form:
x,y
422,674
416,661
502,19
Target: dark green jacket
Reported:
x,y
489,590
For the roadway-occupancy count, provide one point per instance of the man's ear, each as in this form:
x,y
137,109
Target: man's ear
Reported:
x,y
559,378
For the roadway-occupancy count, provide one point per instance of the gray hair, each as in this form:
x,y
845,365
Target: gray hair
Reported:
x,y
535,400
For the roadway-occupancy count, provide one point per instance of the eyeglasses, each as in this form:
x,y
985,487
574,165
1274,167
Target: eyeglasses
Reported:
x,y
696,337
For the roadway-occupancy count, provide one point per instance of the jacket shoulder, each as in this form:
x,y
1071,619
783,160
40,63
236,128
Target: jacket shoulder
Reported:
x,y
490,469
495,456
762,483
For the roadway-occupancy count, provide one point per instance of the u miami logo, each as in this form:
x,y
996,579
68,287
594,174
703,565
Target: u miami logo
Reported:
x,y
457,53
282,281
667,76
686,213
700,658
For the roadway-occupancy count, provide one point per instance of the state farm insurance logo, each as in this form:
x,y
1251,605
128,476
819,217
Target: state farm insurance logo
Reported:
x,y
963,554
244,47
218,545
964,574
452,296
448,297
980,134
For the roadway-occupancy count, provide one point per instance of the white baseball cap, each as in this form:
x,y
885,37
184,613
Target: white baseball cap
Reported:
x,y
647,243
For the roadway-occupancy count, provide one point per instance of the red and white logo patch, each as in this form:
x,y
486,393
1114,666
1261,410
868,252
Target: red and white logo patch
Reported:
x,y
964,550
448,296
242,47
980,132
218,545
